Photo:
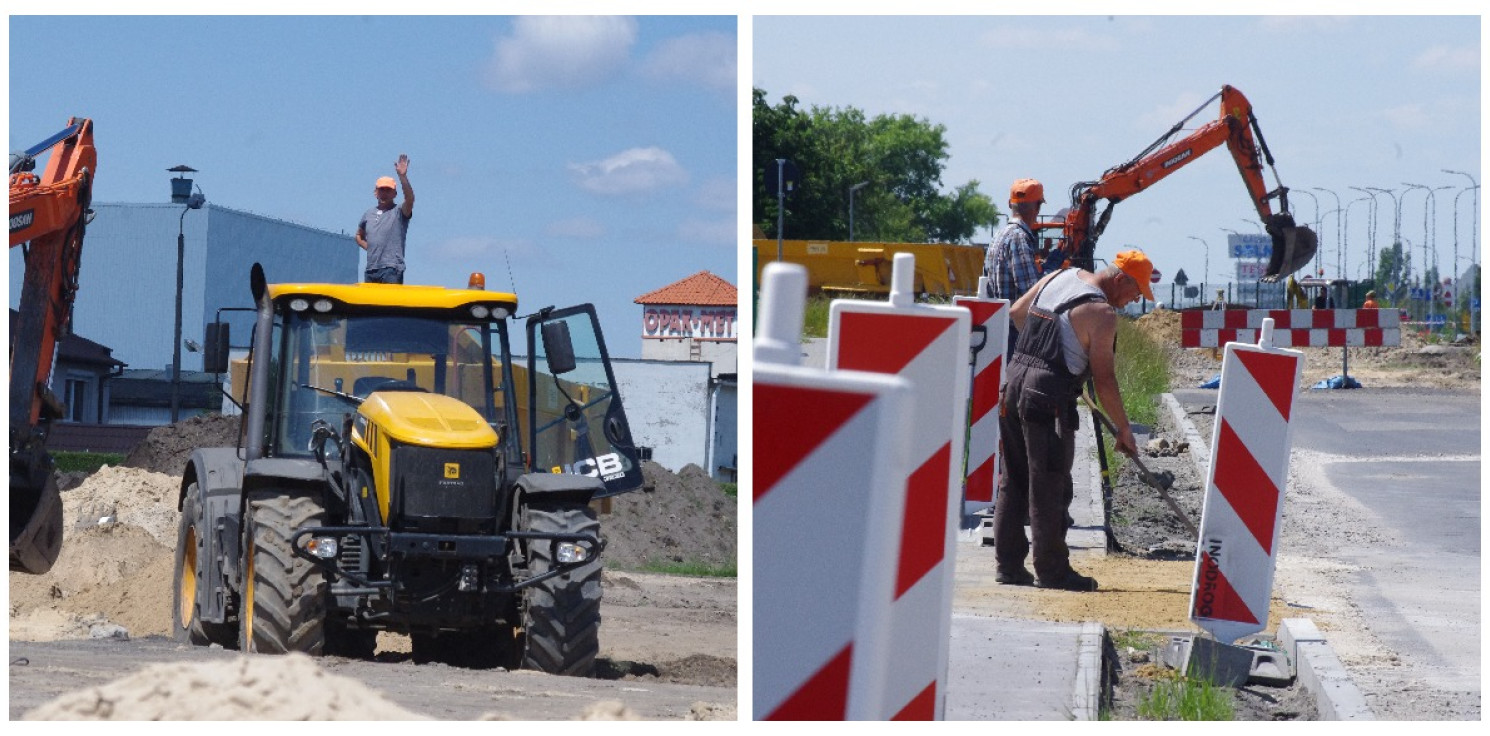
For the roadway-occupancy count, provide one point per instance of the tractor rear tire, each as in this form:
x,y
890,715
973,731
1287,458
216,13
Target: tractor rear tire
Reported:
x,y
284,596
191,575
561,615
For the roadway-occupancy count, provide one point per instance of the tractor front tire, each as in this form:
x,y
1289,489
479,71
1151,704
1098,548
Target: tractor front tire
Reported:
x,y
192,569
561,615
284,595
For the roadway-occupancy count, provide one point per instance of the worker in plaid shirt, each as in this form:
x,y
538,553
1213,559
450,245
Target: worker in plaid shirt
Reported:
x,y
1010,263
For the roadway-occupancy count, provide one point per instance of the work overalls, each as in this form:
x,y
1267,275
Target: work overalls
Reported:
x,y
1037,421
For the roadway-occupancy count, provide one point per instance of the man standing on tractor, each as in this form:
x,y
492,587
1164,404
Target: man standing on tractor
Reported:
x,y
1010,264
385,227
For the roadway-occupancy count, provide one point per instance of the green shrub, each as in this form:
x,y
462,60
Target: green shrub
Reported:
x,y
1180,698
71,462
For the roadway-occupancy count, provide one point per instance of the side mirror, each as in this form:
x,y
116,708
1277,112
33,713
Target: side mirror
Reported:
x,y
215,353
557,349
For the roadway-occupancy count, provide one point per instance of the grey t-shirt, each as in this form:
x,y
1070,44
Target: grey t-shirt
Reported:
x,y
385,231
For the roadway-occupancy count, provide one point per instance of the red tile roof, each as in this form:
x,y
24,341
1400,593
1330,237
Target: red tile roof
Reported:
x,y
700,289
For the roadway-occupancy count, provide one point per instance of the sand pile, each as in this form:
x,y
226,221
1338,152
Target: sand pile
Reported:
x,y
115,566
681,518
166,449
288,688
1161,325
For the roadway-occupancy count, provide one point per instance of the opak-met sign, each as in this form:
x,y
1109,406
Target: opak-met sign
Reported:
x,y
698,323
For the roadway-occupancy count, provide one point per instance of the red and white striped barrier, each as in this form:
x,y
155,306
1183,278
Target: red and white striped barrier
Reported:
x,y
1297,328
983,419
927,345
1239,523
829,489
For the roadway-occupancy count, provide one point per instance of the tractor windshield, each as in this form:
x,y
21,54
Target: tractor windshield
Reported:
x,y
333,361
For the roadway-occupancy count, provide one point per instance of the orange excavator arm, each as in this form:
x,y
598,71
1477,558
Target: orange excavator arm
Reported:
x,y
48,216
1292,246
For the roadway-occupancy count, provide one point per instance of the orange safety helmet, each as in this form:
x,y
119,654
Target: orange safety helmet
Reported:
x,y
1027,191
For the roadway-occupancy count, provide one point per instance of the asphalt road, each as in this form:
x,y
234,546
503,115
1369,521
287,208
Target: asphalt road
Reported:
x,y
1411,458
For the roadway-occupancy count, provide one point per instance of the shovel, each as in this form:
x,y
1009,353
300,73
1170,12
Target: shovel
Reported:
x,y
1161,482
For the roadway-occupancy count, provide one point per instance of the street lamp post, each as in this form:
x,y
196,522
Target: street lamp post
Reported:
x,y
1205,278
1339,265
1315,200
1345,247
180,194
1474,231
851,191
1371,237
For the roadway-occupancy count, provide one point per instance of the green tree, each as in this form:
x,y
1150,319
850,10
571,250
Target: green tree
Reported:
x,y
900,159
1393,274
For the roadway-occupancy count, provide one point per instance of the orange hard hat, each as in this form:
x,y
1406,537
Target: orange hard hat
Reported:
x,y
1026,191
1137,265
386,181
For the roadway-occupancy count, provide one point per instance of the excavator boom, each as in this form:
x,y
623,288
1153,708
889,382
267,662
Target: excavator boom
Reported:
x,y
1237,129
48,216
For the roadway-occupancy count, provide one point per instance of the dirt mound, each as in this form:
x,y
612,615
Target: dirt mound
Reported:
x,y
115,565
1161,325
676,518
288,688
166,449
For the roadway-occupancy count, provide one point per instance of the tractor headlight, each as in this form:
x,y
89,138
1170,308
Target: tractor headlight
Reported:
x,y
323,305
479,311
500,313
569,552
299,305
322,547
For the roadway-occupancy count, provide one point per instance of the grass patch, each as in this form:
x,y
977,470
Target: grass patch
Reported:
x,y
87,462
1177,698
730,489
1135,639
815,317
694,569
1142,375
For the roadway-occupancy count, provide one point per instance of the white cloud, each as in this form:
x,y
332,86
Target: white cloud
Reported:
x,y
631,171
577,228
477,249
714,232
704,58
1408,117
719,194
1445,58
1014,37
560,52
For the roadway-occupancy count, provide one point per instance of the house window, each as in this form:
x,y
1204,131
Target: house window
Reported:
x,y
77,399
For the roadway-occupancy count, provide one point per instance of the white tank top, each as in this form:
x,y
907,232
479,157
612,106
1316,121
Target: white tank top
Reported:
x,y
1066,286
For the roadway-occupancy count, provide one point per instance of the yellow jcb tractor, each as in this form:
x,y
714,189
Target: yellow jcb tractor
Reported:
x,y
398,471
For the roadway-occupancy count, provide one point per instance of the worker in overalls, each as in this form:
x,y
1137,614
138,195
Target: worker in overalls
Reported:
x,y
1067,333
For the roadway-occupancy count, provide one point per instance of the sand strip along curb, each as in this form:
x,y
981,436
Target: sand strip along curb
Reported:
x,y
1319,670
1200,452
1321,673
1086,692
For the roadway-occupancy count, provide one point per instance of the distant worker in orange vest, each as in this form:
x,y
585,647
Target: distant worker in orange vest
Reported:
x,y
1370,302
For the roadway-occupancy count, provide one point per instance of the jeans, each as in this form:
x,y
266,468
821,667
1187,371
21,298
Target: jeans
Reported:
x,y
385,275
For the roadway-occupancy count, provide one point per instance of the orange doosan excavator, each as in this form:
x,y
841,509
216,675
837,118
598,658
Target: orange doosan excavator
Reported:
x,y
1293,245
48,214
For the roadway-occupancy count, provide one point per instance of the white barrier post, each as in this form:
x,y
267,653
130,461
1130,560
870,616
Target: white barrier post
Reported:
x,y
988,377
1239,523
927,345
829,490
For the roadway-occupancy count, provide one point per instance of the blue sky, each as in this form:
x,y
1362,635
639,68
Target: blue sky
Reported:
x,y
1342,101
597,155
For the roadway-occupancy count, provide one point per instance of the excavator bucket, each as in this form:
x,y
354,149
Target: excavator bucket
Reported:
x,y
35,526
1293,247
